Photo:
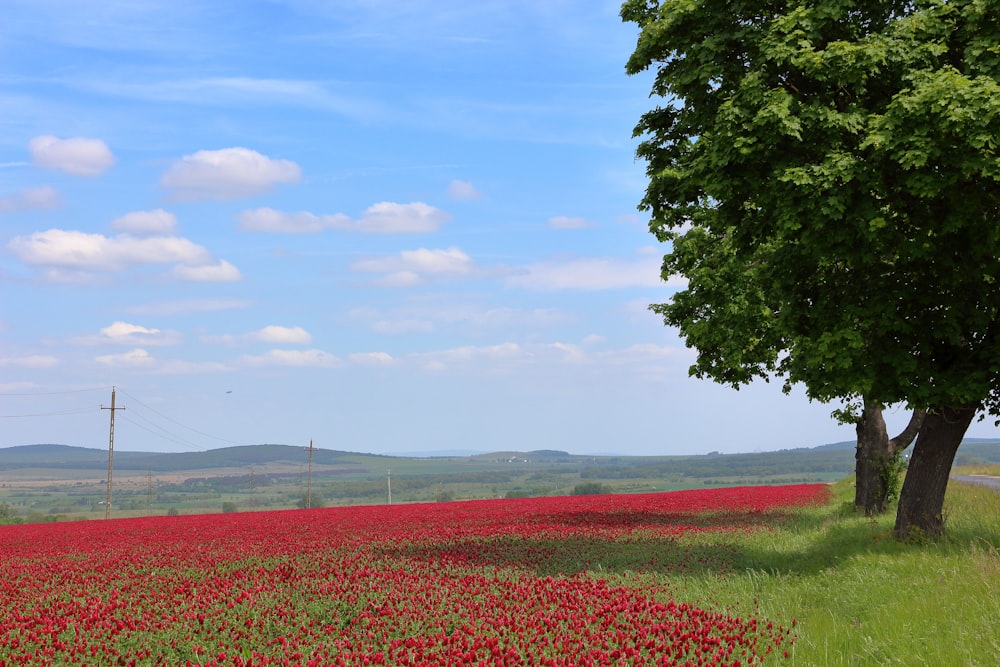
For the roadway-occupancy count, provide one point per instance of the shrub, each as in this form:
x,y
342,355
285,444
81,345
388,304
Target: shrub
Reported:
x,y
590,489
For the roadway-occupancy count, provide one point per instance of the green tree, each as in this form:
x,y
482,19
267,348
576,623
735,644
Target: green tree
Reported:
x,y
7,513
827,176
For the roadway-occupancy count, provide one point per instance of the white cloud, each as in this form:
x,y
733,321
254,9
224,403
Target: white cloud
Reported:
x,y
31,198
314,358
78,156
596,273
463,190
135,358
412,267
124,330
469,354
282,335
126,333
380,218
29,361
372,359
73,249
70,255
649,357
269,334
565,222
391,218
229,173
569,352
158,222
220,272
279,222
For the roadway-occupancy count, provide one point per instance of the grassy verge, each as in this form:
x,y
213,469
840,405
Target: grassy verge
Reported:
x,y
857,596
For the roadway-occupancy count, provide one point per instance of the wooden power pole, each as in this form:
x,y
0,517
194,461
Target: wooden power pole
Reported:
x,y
111,454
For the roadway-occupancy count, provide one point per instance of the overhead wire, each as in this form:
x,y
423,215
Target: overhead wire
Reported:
x,y
53,393
157,430
174,421
134,417
74,411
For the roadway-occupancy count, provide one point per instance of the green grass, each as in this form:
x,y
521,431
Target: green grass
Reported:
x,y
856,595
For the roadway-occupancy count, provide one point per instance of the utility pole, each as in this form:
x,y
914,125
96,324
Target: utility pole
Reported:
x,y
388,482
149,488
309,479
111,454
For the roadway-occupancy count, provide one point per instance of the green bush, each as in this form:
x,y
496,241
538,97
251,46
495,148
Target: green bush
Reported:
x,y
590,489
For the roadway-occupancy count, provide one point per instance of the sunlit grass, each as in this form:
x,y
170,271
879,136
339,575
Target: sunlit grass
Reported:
x,y
859,597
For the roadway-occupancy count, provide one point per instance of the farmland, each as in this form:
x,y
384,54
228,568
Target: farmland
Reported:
x,y
486,582
54,482
740,575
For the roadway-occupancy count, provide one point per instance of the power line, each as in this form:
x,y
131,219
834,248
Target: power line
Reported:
x,y
53,393
160,432
174,421
74,411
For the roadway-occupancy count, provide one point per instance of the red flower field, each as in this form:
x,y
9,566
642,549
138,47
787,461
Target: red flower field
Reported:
x,y
500,582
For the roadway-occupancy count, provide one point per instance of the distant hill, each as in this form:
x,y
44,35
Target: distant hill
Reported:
x,y
82,458
829,458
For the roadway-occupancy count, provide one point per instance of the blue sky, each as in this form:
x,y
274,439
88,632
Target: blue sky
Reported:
x,y
386,226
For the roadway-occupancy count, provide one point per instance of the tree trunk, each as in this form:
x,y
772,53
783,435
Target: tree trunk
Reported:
x,y
921,501
870,461
876,466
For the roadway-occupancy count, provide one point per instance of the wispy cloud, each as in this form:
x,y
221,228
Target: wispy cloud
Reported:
x,y
300,358
133,359
30,361
188,306
591,273
31,198
273,334
413,267
372,359
158,222
463,190
566,222
380,218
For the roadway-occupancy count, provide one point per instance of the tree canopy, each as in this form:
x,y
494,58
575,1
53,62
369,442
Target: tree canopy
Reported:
x,y
827,175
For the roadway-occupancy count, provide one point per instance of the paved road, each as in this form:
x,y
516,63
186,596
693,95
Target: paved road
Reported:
x,y
982,480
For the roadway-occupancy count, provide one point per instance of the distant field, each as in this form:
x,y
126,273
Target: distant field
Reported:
x,y
62,483
52,482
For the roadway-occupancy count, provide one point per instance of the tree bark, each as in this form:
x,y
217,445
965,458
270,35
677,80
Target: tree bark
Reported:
x,y
921,501
875,466
870,460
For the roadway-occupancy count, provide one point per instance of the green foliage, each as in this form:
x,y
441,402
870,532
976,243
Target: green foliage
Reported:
x,y
590,489
444,496
892,476
827,176
172,511
229,507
